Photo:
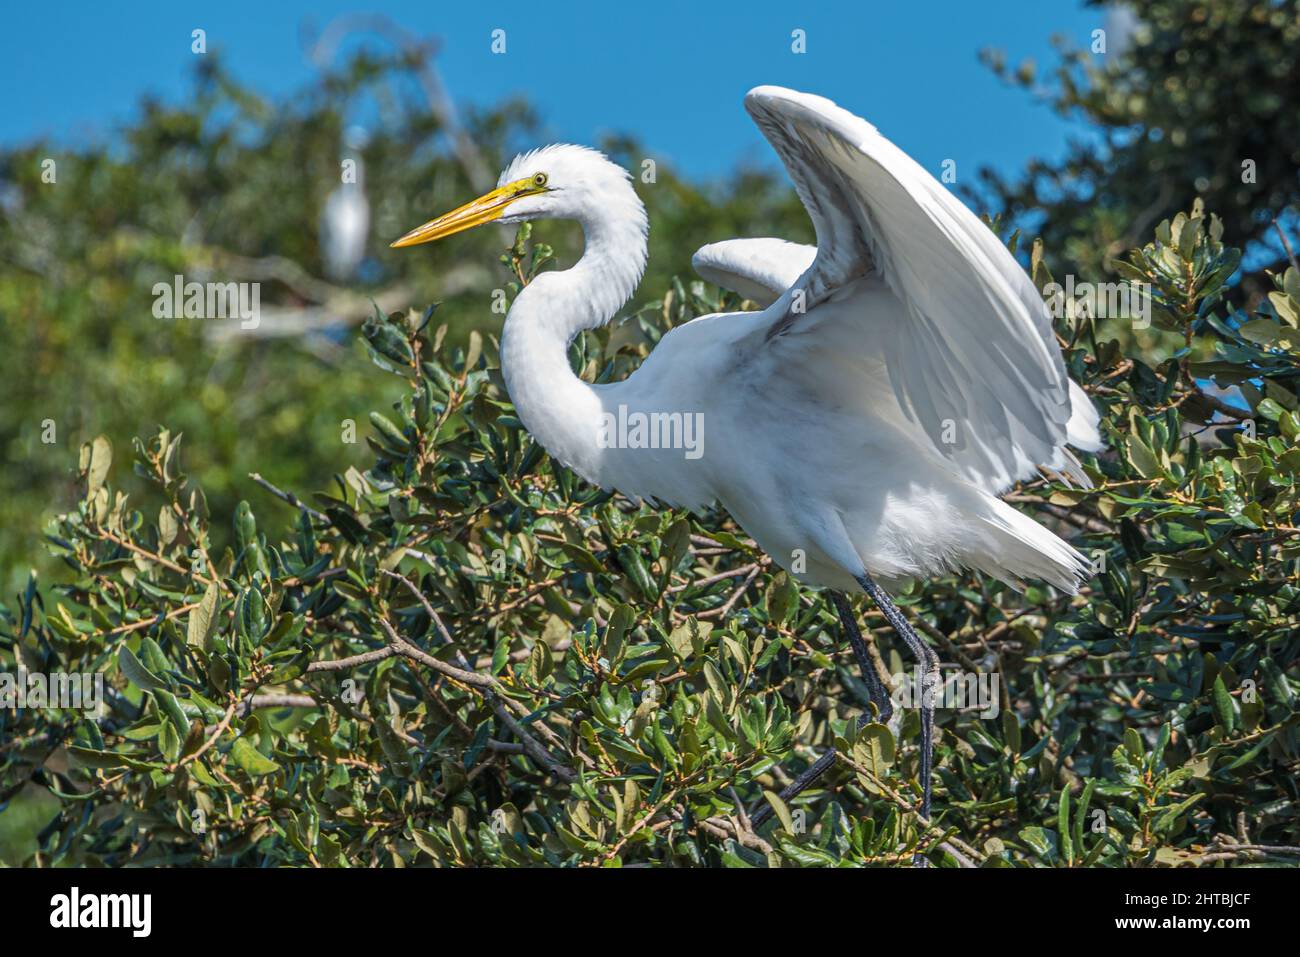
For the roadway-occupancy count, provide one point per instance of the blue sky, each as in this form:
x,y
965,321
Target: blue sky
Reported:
x,y
672,73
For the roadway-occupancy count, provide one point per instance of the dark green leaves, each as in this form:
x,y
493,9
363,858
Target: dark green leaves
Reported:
x,y
137,673
465,629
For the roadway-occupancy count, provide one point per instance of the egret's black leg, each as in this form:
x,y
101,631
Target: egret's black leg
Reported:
x,y
875,688
929,662
797,786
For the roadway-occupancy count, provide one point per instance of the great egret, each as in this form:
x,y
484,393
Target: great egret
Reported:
x,y
345,220
903,374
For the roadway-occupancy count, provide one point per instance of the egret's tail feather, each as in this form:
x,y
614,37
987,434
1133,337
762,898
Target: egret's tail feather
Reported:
x,y
1082,431
1023,549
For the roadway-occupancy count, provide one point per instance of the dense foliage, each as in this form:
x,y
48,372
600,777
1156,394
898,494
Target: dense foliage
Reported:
x,y
465,655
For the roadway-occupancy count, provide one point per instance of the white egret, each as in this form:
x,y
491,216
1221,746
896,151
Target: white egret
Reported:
x,y
345,219
902,375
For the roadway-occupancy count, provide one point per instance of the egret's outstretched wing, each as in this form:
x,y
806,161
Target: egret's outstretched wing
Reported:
x,y
972,356
758,269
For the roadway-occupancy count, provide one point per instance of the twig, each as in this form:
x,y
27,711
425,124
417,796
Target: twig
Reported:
x,y
707,542
720,576
718,827
217,732
1224,848
407,650
735,597
146,622
744,827
1286,244
290,498
342,664
445,635
277,701
490,686
155,557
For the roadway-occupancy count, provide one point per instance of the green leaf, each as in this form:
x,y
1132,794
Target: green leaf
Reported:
x,y
782,597
1142,458
96,458
1042,842
1133,744
874,748
1081,814
1224,713
168,527
629,558
96,758
202,618
689,637
250,760
620,623
172,709
136,673
1011,730
717,684
1063,826
782,812
540,661
582,557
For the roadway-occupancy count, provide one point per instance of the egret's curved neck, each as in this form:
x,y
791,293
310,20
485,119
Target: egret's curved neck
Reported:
x,y
558,408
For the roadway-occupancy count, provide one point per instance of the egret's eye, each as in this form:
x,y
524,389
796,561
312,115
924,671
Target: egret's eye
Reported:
x,y
539,180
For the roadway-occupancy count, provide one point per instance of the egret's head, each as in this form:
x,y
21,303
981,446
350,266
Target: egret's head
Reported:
x,y
554,182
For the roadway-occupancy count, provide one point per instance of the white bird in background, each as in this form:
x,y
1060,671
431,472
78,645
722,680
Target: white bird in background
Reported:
x,y
902,375
345,220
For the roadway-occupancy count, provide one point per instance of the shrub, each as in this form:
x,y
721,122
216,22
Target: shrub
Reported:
x,y
465,655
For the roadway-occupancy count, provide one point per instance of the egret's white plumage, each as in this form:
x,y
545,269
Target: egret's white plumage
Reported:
x,y
902,374
758,269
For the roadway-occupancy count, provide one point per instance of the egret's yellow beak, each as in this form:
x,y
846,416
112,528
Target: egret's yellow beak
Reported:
x,y
486,208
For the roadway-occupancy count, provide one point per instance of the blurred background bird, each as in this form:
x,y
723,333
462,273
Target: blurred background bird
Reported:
x,y
345,219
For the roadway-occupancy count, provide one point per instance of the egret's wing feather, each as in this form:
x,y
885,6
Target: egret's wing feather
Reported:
x,y
758,269
975,361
